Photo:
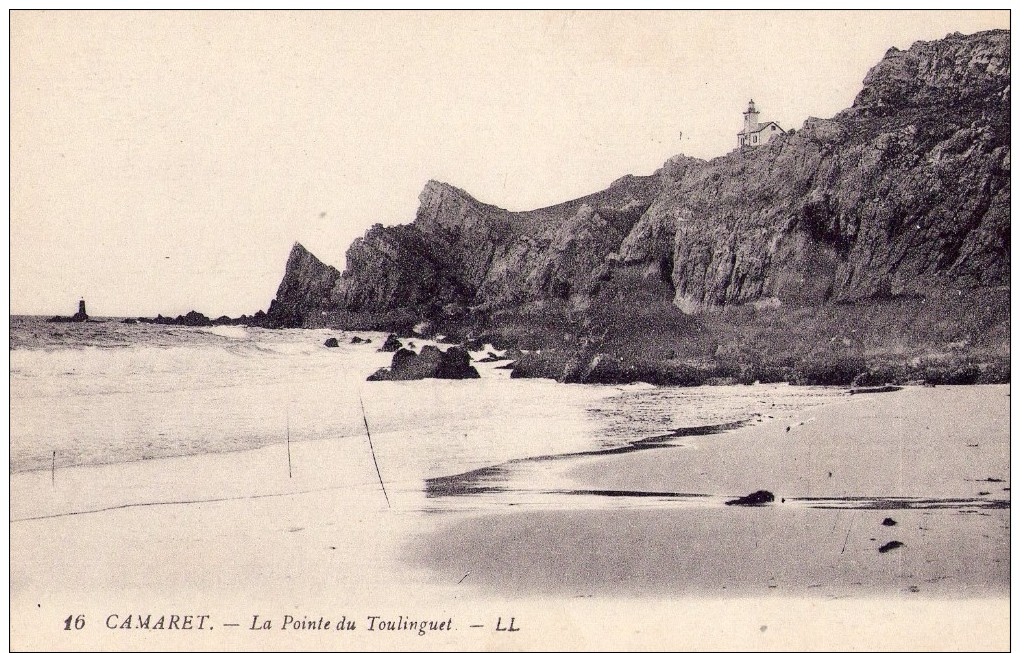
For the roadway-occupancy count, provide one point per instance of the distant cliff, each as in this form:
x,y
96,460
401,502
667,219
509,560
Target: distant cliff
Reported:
x,y
905,194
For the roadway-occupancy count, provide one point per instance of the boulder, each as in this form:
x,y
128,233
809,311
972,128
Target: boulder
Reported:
x,y
392,344
331,342
430,363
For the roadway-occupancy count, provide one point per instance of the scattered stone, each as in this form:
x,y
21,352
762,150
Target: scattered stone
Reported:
x,y
889,546
888,521
358,340
129,320
758,498
392,344
331,342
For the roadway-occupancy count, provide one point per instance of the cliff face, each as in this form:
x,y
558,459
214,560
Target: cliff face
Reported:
x,y
306,288
904,193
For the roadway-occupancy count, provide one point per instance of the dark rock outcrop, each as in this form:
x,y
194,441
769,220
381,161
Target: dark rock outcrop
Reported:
x,y
392,344
430,362
905,192
331,342
191,318
305,292
900,203
80,316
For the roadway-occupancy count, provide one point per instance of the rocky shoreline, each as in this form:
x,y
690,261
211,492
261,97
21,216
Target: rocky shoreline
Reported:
x,y
870,247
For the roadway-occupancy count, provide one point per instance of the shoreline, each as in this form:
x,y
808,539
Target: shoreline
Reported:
x,y
338,549
956,532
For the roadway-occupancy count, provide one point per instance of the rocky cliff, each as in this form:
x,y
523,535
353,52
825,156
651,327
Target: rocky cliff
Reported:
x,y
904,194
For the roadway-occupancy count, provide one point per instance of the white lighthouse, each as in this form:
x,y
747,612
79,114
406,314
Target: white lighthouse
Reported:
x,y
754,134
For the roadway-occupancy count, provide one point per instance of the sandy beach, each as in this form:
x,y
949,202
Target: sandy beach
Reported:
x,y
622,555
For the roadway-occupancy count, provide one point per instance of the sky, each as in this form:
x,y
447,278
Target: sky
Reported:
x,y
164,162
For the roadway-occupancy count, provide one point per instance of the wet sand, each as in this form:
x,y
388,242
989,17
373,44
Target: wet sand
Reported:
x,y
933,460
572,549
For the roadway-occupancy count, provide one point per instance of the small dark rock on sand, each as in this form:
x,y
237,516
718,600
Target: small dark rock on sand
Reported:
x,y
356,340
493,358
331,342
392,344
889,546
758,498
888,521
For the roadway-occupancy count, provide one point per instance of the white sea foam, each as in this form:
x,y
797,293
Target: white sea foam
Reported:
x,y
119,393
227,331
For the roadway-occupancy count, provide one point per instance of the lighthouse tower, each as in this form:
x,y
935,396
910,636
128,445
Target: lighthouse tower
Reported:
x,y
750,118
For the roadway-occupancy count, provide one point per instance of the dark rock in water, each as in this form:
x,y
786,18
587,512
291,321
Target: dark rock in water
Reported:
x,y
758,498
392,343
508,366
193,319
431,363
411,345
80,316
358,340
888,521
889,546
224,320
129,320
331,342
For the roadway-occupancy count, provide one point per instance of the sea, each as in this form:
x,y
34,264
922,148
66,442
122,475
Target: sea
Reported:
x,y
105,393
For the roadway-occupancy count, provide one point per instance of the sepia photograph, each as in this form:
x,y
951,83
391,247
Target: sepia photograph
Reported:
x,y
509,330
